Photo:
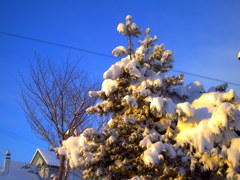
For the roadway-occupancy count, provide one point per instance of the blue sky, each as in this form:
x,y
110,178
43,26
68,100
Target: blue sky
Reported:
x,y
204,36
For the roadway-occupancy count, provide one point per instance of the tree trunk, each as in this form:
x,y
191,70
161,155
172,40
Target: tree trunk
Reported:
x,y
62,167
67,170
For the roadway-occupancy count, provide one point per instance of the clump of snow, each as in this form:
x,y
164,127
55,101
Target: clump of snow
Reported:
x,y
110,122
129,100
160,106
92,93
212,99
202,137
128,18
216,119
192,89
123,62
113,72
61,151
165,55
234,152
127,65
221,88
156,105
132,69
135,30
181,91
109,86
195,87
95,93
72,146
111,139
119,51
155,81
141,50
145,86
75,145
185,109
146,142
221,117
169,108
150,136
129,28
121,28
152,155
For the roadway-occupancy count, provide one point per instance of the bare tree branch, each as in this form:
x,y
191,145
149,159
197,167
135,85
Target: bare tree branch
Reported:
x,y
55,100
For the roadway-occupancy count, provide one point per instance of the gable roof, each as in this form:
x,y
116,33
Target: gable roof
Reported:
x,y
19,170
49,157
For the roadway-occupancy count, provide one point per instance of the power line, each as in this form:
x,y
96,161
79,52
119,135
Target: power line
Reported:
x,y
18,137
105,55
206,77
55,44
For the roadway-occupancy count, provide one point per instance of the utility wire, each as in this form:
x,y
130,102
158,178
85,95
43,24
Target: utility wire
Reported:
x,y
18,137
206,77
54,44
101,54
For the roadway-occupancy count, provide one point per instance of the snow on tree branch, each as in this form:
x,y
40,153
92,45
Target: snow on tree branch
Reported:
x,y
159,127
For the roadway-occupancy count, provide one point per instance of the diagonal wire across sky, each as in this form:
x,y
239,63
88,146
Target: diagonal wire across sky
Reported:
x,y
105,55
19,137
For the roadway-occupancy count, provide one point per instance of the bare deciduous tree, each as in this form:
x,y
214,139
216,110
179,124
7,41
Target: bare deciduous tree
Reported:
x,y
55,102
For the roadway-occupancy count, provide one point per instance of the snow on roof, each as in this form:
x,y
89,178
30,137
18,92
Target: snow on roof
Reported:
x,y
19,170
49,156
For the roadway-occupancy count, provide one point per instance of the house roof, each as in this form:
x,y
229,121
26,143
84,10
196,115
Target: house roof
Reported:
x,y
19,170
49,157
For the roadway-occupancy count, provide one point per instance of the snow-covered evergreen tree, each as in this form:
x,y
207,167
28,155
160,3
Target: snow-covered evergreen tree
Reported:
x,y
159,129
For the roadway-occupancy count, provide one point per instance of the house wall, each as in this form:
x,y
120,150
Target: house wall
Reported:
x,y
42,167
45,171
53,170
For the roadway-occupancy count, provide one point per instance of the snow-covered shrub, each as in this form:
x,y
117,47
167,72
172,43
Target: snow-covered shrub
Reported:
x,y
159,128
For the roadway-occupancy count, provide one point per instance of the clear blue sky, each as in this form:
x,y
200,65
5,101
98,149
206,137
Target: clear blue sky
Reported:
x,y
204,36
